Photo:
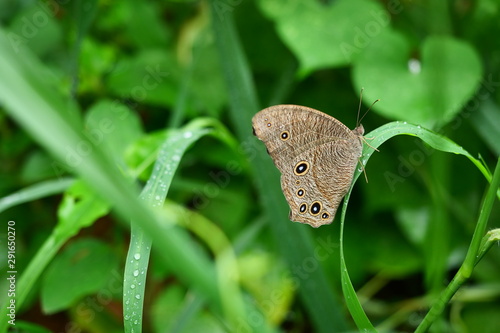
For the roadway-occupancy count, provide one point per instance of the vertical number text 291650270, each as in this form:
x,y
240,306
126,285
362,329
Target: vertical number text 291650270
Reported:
x,y
11,272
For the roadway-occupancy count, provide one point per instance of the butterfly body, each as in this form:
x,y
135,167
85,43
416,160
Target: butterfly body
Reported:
x,y
316,155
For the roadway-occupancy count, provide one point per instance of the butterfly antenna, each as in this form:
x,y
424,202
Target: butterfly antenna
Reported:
x,y
368,110
359,107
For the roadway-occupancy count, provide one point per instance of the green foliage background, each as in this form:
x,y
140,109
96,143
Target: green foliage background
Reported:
x,y
101,99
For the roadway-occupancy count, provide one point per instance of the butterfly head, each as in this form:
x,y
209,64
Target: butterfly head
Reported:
x,y
359,131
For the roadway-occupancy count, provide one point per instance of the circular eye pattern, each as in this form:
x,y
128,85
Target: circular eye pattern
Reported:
x,y
315,208
268,124
297,182
301,168
303,208
301,192
285,135
325,216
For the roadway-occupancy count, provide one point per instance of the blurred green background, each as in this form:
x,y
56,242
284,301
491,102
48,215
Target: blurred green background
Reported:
x,y
138,71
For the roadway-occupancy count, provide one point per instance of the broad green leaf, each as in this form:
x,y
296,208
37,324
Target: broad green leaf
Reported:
x,y
428,85
79,208
82,268
326,35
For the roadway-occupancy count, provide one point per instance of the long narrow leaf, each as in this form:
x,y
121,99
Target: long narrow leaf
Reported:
x,y
374,140
35,192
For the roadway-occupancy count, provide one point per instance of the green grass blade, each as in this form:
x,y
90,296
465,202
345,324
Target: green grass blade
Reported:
x,y
376,138
35,192
433,139
154,194
351,299
314,288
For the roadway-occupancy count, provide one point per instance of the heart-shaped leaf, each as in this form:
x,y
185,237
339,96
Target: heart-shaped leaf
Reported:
x,y
326,35
429,89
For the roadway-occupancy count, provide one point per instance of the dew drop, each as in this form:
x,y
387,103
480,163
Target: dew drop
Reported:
x,y
132,286
187,135
137,256
136,272
138,296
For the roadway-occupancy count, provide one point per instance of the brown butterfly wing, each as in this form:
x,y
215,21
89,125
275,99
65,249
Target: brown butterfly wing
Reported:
x,y
316,155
